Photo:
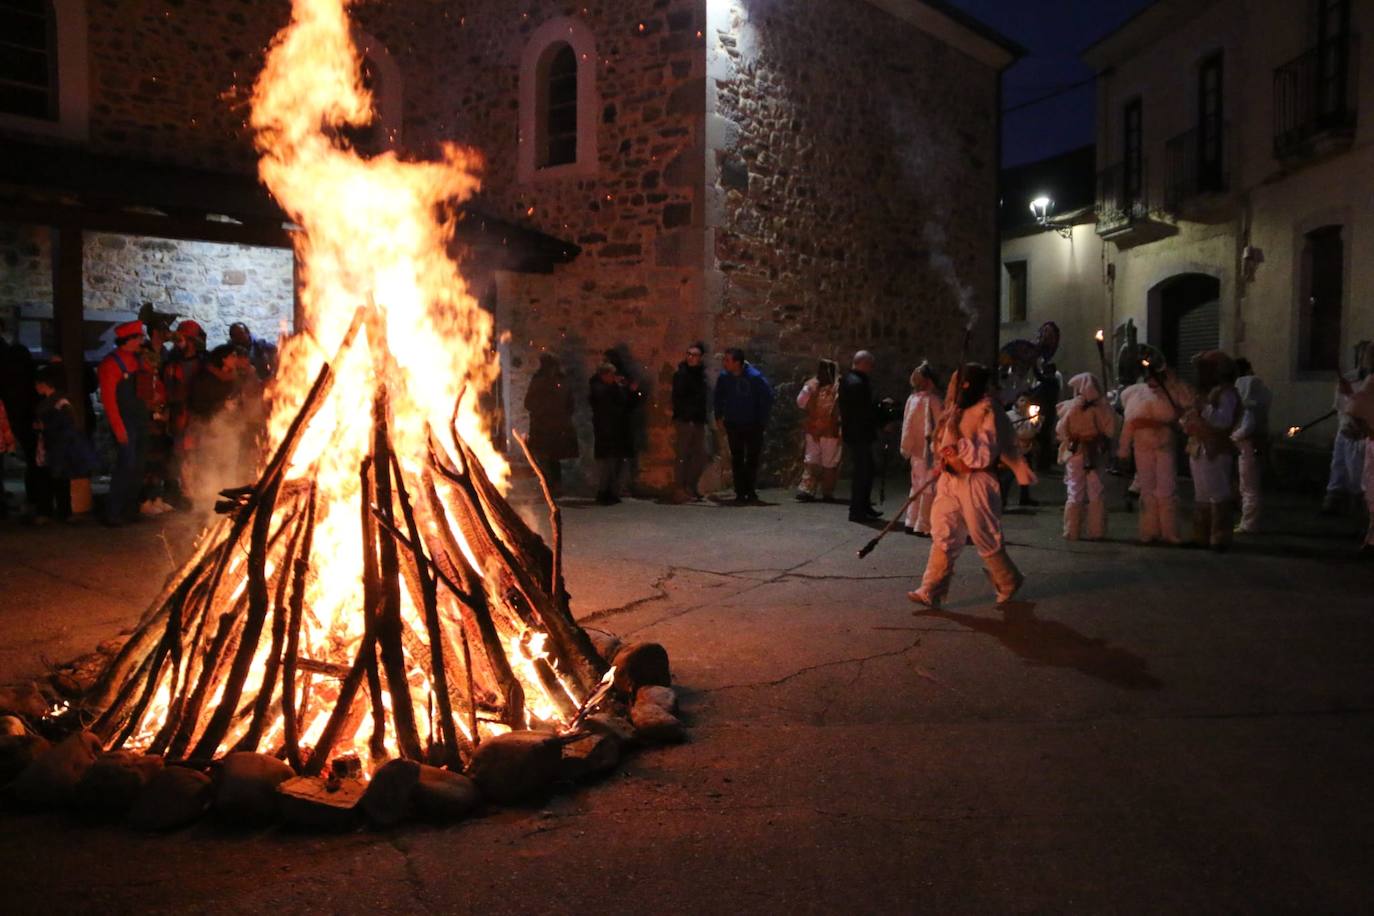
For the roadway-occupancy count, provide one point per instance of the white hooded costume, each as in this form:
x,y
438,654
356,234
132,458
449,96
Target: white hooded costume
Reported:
x,y
1250,436
1085,420
968,506
1360,408
918,446
1152,447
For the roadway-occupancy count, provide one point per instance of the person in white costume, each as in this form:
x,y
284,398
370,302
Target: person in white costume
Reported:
x,y
1152,408
1348,450
922,412
1086,425
968,503
1026,420
1251,438
1359,406
819,398
1209,424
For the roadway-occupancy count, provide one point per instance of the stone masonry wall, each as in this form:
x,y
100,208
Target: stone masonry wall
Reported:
x,y
213,283
636,286
851,181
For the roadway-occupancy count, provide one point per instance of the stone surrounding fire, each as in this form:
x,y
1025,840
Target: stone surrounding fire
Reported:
x,y
149,794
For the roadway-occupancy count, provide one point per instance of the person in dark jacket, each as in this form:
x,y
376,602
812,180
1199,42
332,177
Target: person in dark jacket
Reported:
x,y
549,402
861,418
743,401
691,392
613,398
64,454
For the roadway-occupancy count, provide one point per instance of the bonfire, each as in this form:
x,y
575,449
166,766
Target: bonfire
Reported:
x,y
373,593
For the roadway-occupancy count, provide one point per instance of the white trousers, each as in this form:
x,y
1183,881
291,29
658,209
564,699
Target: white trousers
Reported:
x,y
1155,473
966,506
825,453
1083,485
1248,465
1211,479
1347,465
918,513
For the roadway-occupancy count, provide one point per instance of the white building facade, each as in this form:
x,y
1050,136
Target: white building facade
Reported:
x,y
1235,204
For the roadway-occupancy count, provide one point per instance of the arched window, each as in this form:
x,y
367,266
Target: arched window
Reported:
x,y
558,102
43,73
28,59
557,120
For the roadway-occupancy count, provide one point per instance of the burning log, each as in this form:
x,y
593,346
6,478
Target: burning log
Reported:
x,y
314,604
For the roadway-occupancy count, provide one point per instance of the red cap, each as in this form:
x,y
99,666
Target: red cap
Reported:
x,y
129,329
189,328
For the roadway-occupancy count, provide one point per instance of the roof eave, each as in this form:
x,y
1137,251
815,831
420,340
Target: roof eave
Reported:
x,y
956,29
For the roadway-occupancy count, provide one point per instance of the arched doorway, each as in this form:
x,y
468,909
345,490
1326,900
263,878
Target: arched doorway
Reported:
x,y
1186,310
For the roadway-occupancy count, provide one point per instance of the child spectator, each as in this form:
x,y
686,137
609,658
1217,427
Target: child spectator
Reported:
x,y
64,454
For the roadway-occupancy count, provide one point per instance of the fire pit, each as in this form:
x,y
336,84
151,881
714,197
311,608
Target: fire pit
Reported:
x,y
373,597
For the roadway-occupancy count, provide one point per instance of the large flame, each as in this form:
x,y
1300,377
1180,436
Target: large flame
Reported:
x,y
376,233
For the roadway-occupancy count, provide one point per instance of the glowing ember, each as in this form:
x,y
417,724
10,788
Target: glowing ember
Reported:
x,y
373,593
1293,431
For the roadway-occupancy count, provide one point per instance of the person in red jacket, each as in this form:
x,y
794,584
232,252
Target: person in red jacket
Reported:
x,y
128,416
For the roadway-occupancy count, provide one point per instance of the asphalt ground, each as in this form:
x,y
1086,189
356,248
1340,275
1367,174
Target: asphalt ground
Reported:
x,y
1149,730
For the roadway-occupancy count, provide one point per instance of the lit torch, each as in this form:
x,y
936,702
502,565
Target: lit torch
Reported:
x,y
1295,431
1101,338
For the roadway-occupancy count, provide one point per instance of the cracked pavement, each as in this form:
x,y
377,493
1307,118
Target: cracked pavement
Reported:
x,y
1148,730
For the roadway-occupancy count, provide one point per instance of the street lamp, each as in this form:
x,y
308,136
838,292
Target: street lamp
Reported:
x,y
1041,208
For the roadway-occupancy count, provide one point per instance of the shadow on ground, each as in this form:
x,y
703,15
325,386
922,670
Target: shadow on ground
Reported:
x,y
1048,642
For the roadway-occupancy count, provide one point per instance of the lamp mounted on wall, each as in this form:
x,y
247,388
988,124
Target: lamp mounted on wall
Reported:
x,y
1041,208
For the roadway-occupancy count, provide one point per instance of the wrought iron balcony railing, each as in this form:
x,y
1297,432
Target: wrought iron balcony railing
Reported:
x,y
1196,162
1315,95
1122,196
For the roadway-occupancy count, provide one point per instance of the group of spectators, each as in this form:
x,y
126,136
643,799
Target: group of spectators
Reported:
x,y
182,418
839,408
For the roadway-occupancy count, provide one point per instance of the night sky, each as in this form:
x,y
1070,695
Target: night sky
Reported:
x,y
1054,32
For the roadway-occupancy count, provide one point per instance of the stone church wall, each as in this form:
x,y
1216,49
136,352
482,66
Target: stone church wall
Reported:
x,y
851,180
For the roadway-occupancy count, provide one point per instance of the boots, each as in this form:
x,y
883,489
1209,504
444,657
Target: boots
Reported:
x,y
1006,578
1097,520
1249,515
1221,526
1149,519
1168,520
1073,515
935,582
806,490
1202,524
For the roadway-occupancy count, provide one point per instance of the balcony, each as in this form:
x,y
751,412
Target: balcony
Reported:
x,y
1315,100
1197,175
1124,214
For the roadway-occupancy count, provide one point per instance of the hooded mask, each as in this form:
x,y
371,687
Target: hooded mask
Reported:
x,y
1084,385
1214,368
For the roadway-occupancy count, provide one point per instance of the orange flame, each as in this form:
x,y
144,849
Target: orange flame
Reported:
x,y
376,232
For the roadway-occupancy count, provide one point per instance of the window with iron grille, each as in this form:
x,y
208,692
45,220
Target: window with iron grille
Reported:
x,y
1018,289
1333,58
28,59
1322,291
1132,155
1211,175
559,97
